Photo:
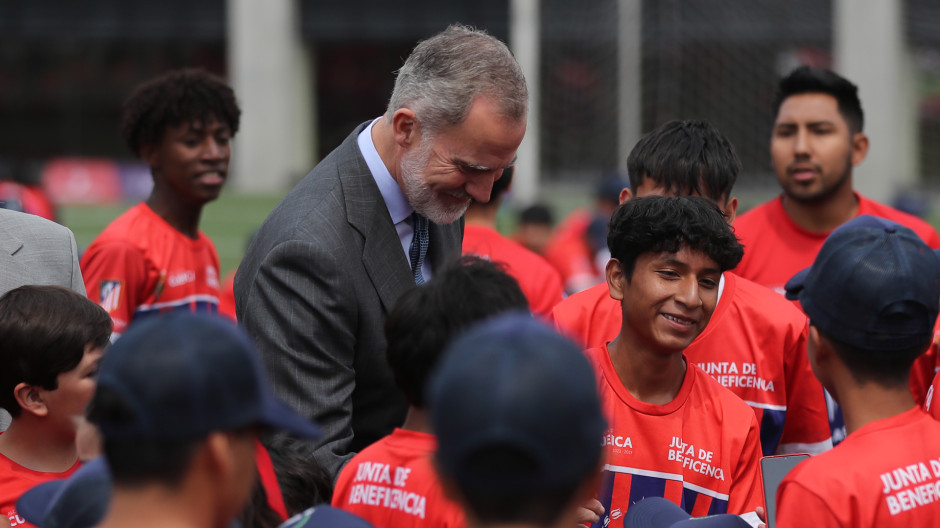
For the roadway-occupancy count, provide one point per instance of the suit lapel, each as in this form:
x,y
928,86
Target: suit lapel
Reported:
x,y
382,255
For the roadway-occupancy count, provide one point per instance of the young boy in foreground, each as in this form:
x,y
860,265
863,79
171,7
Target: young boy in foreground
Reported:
x,y
872,299
51,341
422,323
674,431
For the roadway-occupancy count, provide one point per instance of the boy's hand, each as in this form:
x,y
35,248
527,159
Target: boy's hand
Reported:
x,y
590,512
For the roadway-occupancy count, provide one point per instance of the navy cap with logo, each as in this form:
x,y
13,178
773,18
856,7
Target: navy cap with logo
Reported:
x,y
515,385
874,285
181,376
325,516
657,512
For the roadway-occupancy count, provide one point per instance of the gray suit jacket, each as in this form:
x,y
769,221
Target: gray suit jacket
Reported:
x,y
313,291
34,250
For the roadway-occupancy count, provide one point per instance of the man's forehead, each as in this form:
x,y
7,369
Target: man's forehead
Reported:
x,y
685,255
809,106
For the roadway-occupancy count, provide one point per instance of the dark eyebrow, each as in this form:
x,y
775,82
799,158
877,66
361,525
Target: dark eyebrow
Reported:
x,y
684,265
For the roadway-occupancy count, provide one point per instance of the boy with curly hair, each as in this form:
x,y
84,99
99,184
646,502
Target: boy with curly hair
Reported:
x,y
153,258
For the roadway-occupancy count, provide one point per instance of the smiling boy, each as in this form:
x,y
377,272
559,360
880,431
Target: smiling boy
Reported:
x,y
674,431
51,341
153,258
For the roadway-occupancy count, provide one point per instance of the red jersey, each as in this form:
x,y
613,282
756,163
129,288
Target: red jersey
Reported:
x,y
776,248
754,344
932,398
568,252
701,450
141,266
392,484
16,480
227,296
885,474
925,367
538,280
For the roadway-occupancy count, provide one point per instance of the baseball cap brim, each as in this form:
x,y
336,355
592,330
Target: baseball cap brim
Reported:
x,y
89,487
654,512
324,516
795,285
280,417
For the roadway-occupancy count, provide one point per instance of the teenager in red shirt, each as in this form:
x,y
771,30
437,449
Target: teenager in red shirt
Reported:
x,y
755,342
872,298
51,341
392,482
674,431
539,281
153,258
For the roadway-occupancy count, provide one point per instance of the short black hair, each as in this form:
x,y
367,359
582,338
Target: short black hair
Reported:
x,y
539,214
139,462
654,224
520,506
686,158
888,368
180,96
817,80
43,332
425,319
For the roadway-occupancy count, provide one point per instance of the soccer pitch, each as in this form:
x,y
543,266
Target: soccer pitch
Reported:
x,y
228,221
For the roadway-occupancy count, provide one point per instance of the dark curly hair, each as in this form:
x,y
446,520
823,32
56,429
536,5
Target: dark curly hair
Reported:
x,y
188,95
653,224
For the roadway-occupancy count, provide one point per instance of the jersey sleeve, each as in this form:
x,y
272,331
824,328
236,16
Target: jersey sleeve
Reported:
x,y
798,507
745,494
115,276
806,427
923,371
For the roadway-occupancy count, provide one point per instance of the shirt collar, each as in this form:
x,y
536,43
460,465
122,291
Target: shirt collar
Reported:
x,y
398,207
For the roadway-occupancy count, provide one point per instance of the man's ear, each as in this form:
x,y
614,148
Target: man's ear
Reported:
x,y
859,148
29,397
405,127
616,279
625,195
151,156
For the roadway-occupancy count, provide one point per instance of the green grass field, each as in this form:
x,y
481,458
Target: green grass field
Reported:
x,y
228,221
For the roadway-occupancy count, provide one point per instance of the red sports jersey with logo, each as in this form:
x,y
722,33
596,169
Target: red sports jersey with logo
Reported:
x,y
392,483
16,480
701,450
538,280
885,474
754,344
776,248
141,266
932,398
925,367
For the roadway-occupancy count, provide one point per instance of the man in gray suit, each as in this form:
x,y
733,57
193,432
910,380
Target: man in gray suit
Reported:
x,y
34,250
334,256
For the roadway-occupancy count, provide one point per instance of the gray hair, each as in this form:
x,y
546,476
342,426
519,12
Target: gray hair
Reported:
x,y
445,73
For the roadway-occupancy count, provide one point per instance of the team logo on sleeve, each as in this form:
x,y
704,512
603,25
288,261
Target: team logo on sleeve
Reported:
x,y
110,295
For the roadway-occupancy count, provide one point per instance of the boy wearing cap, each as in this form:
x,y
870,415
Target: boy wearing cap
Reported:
x,y
422,323
674,431
755,342
872,298
51,341
516,413
179,403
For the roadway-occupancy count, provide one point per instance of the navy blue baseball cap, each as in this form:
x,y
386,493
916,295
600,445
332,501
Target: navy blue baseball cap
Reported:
x,y
325,516
515,385
181,376
79,501
875,285
657,512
